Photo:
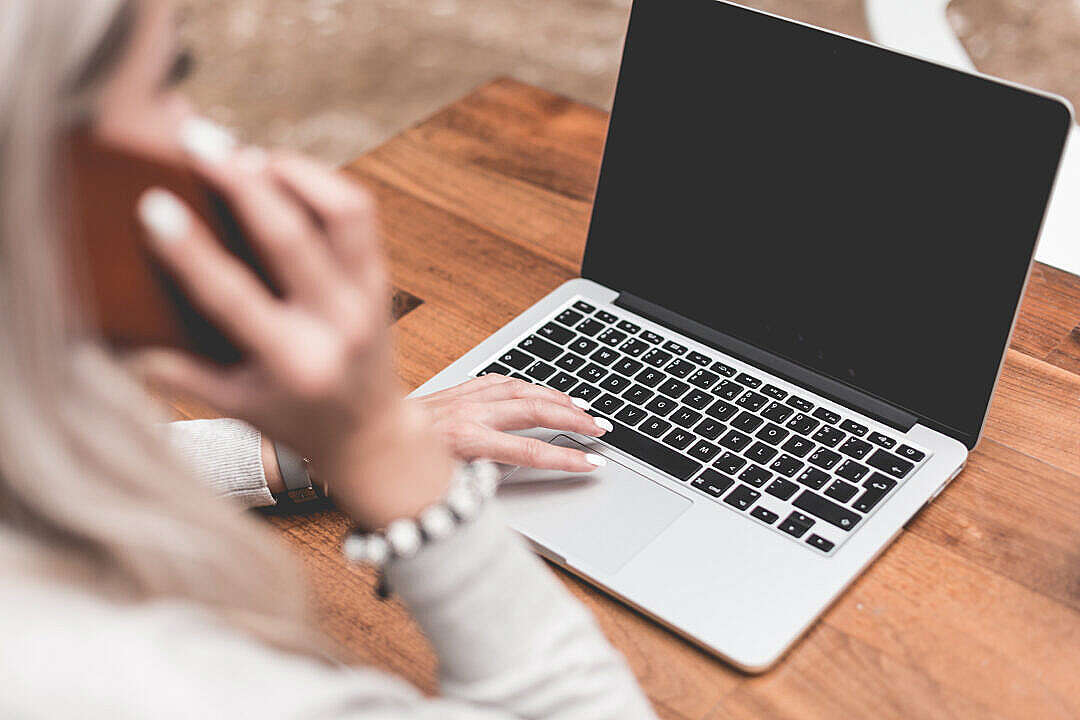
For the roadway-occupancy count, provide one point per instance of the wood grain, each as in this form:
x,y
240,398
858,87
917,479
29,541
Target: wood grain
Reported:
x,y
973,612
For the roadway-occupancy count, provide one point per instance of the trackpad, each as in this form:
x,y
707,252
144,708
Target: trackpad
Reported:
x,y
596,520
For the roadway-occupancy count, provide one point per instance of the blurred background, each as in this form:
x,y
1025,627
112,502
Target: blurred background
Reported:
x,y
335,77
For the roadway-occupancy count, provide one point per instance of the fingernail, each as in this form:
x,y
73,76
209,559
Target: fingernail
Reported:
x,y
163,215
604,424
207,141
581,403
595,460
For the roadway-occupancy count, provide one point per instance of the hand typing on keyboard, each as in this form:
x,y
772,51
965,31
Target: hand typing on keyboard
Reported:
x,y
473,418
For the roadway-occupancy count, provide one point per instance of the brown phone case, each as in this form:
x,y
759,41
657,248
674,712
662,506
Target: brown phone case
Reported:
x,y
134,300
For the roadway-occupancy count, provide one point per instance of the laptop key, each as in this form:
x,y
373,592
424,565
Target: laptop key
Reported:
x,y
583,346
766,516
742,497
674,388
680,368
652,337
894,465
800,404
813,478
703,451
540,347
712,482
661,405
796,524
696,357
656,357
761,453
826,416
698,399
828,435
675,347
752,401
856,448
748,380
569,318
494,369
614,383
651,452
685,417
570,362
723,369
604,356
774,392
735,440
516,359
585,391
563,382
820,543
883,440
729,463
556,333
827,510
611,337
824,458
655,427
633,347
728,390
703,379
747,422
606,317
627,367
853,471
776,412
584,307
841,491
772,434
608,404
630,415
638,394
709,428
786,465
590,327
854,428
592,372
909,453
802,424
782,488
754,475
627,326
877,487
650,377
679,438
798,446
721,410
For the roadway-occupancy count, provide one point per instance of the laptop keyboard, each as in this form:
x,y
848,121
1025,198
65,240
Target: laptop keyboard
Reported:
x,y
736,435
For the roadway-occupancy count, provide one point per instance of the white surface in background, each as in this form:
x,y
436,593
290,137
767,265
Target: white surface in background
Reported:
x,y
921,28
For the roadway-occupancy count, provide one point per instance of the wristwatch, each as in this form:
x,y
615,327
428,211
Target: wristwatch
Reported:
x,y
296,477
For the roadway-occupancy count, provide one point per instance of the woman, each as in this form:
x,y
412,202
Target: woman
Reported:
x,y
127,590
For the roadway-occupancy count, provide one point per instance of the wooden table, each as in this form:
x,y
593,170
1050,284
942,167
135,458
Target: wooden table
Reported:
x,y
974,612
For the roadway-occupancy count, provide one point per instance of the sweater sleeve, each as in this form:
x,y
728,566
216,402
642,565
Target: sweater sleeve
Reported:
x,y
226,455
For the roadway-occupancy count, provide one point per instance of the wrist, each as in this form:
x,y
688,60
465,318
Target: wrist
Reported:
x,y
275,483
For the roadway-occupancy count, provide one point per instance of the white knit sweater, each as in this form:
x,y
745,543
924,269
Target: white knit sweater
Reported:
x,y
512,643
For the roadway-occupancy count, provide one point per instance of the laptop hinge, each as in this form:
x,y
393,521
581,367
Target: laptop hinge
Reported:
x,y
793,372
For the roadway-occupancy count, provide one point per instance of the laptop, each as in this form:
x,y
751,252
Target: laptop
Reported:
x,y
803,267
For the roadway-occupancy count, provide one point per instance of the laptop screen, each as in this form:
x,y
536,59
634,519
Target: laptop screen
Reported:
x,y
859,212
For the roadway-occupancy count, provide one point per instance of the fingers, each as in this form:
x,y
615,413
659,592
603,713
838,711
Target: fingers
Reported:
x,y
226,291
278,227
180,374
521,414
530,452
499,387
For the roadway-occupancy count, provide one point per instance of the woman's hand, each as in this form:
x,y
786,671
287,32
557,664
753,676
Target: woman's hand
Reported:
x,y
473,417
318,372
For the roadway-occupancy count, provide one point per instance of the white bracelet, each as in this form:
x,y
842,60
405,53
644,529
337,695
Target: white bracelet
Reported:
x,y
472,485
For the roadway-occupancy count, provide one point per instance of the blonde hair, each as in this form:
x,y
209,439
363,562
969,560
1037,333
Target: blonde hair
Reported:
x,y
89,494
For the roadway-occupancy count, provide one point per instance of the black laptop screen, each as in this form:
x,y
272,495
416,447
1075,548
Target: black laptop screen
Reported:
x,y
866,215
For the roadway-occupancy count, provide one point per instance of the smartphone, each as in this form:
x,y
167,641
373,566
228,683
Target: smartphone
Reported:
x,y
134,301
